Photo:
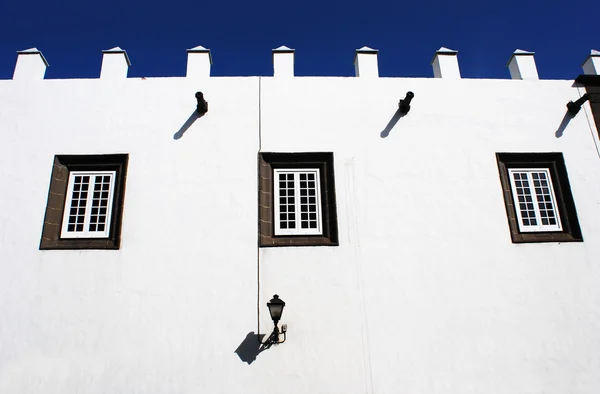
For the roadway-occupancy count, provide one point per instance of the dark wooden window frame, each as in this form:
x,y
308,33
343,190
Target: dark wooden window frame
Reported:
x,y
321,160
53,218
571,231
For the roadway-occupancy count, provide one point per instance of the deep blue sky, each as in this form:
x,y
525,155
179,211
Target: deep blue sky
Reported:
x,y
241,34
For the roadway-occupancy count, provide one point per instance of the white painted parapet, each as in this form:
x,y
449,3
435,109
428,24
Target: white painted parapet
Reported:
x,y
591,65
445,64
283,62
199,62
115,64
31,65
522,65
365,63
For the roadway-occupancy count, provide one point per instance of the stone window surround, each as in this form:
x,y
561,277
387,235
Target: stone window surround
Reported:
x,y
571,231
321,160
53,218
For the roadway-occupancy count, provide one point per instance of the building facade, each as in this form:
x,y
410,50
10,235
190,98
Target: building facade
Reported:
x,y
452,247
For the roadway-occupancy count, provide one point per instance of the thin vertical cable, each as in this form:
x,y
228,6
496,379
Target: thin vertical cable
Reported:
x,y
258,205
594,137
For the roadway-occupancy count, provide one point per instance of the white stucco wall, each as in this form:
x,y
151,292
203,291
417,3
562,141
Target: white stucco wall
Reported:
x,y
426,293
426,274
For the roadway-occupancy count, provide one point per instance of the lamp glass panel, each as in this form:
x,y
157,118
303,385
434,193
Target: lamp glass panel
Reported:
x,y
275,310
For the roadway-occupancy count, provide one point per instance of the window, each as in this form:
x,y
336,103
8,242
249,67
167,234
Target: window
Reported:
x,y
85,202
536,202
297,199
88,204
538,199
298,205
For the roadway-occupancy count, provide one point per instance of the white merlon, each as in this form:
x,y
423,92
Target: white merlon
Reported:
x,y
115,64
31,65
522,65
283,62
591,65
365,62
445,64
199,62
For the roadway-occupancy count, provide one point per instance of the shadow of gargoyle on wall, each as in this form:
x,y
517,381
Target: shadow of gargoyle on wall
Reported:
x,y
250,347
385,132
563,125
188,123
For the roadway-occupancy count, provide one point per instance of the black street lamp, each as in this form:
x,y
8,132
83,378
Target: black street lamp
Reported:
x,y
276,306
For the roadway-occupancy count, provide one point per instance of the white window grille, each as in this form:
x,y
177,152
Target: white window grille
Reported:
x,y
88,204
535,201
297,202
